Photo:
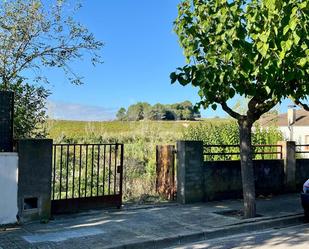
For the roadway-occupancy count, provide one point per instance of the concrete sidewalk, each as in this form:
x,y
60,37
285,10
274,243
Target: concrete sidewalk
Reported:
x,y
151,227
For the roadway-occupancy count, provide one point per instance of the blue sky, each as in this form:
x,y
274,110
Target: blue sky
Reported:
x,y
140,52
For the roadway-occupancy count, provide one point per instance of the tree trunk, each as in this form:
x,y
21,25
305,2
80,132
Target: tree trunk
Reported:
x,y
247,173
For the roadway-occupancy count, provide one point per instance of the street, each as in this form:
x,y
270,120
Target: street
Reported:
x,y
290,237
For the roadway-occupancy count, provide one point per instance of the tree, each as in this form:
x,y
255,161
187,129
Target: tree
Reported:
x,y
29,109
157,112
34,35
139,111
121,114
256,48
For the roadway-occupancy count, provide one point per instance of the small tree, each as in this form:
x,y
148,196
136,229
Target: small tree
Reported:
x,y
34,35
257,48
121,114
29,109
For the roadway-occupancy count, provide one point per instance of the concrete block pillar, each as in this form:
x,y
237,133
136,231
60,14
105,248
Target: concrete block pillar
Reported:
x,y
34,179
289,157
190,177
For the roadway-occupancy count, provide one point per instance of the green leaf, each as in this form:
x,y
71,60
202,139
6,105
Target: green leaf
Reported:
x,y
173,77
231,93
296,38
286,45
293,24
183,81
286,29
264,37
214,107
303,5
302,62
263,50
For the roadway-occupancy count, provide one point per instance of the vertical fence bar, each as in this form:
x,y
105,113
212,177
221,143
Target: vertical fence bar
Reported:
x,y
74,158
115,170
86,170
109,169
67,169
121,173
173,174
98,170
92,159
80,170
104,158
54,170
60,182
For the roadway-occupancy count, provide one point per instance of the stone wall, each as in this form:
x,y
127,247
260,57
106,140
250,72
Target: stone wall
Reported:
x,y
222,179
216,180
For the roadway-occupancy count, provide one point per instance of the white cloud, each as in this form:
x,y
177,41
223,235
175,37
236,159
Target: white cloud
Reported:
x,y
73,111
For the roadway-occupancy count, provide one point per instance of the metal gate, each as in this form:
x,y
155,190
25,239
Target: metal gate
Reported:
x,y
86,176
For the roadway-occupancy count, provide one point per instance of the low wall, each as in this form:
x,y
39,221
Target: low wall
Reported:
x,y
222,179
302,172
217,180
8,187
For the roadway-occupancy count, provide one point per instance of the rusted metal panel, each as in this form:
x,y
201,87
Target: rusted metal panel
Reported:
x,y
165,169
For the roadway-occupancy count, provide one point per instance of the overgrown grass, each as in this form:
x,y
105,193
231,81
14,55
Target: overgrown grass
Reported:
x,y
140,140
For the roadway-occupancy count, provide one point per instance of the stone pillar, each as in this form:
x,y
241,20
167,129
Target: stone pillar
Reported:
x,y
34,179
6,121
190,177
289,157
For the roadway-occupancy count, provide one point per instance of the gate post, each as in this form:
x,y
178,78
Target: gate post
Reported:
x,y
6,121
190,175
289,157
165,168
34,179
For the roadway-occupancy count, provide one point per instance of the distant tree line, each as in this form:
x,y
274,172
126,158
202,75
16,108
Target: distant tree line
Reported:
x,y
144,111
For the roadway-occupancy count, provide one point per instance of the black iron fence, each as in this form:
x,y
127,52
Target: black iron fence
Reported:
x,y
232,152
86,170
302,150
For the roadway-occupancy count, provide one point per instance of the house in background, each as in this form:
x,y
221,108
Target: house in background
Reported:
x,y
294,125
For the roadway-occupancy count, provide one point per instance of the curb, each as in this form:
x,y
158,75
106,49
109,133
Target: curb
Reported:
x,y
241,227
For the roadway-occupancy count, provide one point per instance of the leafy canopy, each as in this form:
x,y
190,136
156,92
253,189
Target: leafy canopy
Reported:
x,y
29,109
258,49
144,111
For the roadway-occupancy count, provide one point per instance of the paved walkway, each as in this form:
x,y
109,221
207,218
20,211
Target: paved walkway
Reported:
x,y
132,226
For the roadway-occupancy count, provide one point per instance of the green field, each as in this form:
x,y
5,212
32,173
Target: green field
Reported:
x,y
82,130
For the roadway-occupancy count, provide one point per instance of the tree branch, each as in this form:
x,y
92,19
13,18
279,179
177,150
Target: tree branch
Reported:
x,y
302,105
232,113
